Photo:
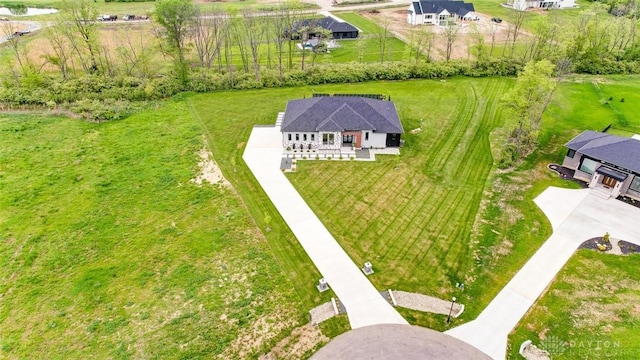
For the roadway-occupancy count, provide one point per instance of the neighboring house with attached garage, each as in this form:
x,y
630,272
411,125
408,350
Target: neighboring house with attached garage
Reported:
x,y
609,163
439,12
334,122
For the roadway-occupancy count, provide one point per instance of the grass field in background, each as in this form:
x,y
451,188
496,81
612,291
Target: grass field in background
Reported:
x,y
147,7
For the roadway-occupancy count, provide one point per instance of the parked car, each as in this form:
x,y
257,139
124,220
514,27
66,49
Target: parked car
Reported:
x,y
4,19
107,17
496,20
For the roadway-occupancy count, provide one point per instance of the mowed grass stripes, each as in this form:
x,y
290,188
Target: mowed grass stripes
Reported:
x,y
412,215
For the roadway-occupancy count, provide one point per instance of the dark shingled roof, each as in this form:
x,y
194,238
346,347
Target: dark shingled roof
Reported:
x,y
617,150
341,113
436,7
327,23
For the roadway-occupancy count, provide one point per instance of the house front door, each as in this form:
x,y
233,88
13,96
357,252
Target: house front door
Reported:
x,y
609,181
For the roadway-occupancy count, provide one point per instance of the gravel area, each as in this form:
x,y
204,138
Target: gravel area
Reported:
x,y
322,313
425,303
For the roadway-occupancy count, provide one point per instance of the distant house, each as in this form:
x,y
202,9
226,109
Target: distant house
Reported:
x,y
331,122
541,4
338,29
607,162
439,12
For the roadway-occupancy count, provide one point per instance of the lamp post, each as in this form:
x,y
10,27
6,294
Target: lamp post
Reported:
x,y
451,309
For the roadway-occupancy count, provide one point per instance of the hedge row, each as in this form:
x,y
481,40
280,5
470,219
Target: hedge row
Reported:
x,y
85,93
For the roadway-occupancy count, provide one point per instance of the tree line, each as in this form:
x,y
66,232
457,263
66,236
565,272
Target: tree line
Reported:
x,y
190,50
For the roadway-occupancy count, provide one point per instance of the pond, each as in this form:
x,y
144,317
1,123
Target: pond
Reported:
x,y
26,11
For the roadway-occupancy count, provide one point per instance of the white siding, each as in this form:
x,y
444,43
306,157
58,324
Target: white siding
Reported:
x,y
301,141
376,140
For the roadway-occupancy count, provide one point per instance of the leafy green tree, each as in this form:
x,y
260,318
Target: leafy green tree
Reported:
x,y
176,18
83,33
524,104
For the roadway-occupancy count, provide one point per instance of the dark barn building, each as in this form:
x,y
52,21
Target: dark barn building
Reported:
x,y
338,29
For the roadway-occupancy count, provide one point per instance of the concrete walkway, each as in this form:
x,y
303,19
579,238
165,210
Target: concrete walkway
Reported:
x,y
575,216
363,302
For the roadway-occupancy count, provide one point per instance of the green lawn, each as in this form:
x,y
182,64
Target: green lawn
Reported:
x,y
493,8
109,251
412,216
590,311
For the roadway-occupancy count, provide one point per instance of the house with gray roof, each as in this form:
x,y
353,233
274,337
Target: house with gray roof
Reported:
x,y
439,12
339,29
334,122
607,162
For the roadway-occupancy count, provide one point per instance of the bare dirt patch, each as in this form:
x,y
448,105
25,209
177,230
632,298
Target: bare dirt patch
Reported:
x,y
467,32
210,172
302,340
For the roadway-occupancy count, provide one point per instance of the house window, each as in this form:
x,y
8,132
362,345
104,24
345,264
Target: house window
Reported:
x,y
297,137
428,16
304,137
571,153
587,165
289,137
366,135
313,137
327,139
635,184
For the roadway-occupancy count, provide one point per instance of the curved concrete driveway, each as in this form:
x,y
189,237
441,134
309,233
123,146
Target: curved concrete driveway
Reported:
x,y
365,306
575,216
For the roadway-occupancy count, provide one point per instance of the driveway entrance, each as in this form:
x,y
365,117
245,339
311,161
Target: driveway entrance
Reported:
x,y
575,216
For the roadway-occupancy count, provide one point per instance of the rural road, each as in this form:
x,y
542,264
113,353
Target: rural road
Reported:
x,y
9,27
326,6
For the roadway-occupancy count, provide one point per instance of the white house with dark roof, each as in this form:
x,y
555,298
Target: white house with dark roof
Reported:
x,y
541,4
333,122
607,162
439,12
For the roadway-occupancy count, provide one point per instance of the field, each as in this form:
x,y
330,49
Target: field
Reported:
x,y
147,7
591,310
120,40
109,250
